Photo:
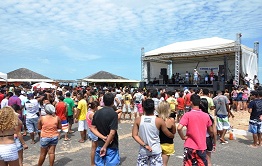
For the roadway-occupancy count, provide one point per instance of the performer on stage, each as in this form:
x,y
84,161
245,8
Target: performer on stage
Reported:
x,y
195,76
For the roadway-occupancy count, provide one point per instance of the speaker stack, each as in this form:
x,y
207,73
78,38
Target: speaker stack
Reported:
x,y
163,74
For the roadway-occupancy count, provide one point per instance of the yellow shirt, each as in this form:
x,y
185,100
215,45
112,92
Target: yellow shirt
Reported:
x,y
127,99
172,102
82,106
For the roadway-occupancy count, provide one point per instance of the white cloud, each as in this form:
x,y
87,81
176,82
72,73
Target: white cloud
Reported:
x,y
76,55
45,25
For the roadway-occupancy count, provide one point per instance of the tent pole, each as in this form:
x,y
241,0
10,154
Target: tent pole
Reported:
x,y
142,64
256,51
237,58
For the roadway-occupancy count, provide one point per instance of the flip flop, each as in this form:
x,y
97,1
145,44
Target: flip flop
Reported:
x,y
81,141
225,142
252,146
71,132
67,139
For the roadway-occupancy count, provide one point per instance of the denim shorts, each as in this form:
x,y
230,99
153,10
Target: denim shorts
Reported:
x,y
31,124
111,158
45,142
255,127
91,135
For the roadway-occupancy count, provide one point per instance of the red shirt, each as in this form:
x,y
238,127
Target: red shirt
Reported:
x,y
61,110
212,74
2,96
187,99
197,123
181,103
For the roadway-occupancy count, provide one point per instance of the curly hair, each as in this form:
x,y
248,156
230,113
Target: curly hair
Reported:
x,y
8,119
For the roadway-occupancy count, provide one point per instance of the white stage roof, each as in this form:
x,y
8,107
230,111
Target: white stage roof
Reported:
x,y
192,46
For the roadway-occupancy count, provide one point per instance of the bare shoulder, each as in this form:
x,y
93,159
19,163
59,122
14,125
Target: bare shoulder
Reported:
x,y
160,120
137,120
170,122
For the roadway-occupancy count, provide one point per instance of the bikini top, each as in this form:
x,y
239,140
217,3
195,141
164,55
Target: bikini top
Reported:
x,y
7,135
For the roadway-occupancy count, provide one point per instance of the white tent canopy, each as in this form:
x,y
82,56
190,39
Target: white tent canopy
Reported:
x,y
194,45
43,85
3,76
203,53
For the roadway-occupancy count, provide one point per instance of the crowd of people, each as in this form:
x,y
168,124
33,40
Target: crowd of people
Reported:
x,y
206,77
156,115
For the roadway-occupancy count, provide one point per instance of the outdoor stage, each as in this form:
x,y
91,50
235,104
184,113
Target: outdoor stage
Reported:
x,y
223,56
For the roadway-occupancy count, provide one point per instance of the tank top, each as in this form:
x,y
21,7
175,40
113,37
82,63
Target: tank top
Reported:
x,y
245,95
234,94
164,138
88,120
61,110
49,126
149,133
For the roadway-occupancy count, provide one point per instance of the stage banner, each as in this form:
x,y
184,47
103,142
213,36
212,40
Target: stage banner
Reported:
x,y
208,68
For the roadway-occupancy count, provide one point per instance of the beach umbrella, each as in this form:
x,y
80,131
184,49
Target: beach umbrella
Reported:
x,y
43,85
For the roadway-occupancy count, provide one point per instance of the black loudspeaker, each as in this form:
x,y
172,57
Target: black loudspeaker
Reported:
x,y
218,86
163,71
165,79
142,84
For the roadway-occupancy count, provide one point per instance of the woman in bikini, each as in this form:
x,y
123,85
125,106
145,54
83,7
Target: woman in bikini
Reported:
x,y
8,149
19,140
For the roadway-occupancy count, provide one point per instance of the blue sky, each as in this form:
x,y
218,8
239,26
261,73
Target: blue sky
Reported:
x,y
72,39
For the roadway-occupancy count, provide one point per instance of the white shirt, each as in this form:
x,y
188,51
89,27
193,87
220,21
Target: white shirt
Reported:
x,y
120,98
4,102
32,108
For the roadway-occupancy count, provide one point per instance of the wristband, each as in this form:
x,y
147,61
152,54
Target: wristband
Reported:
x,y
145,145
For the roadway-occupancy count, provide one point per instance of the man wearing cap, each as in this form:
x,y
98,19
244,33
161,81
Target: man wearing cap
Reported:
x,y
32,116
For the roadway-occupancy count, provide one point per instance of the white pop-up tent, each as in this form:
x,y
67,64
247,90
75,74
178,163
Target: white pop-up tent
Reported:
x,y
3,76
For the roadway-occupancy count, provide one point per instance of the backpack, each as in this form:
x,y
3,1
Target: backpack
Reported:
x,y
203,105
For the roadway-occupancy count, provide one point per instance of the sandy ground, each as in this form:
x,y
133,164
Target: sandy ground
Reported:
x,y
240,121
